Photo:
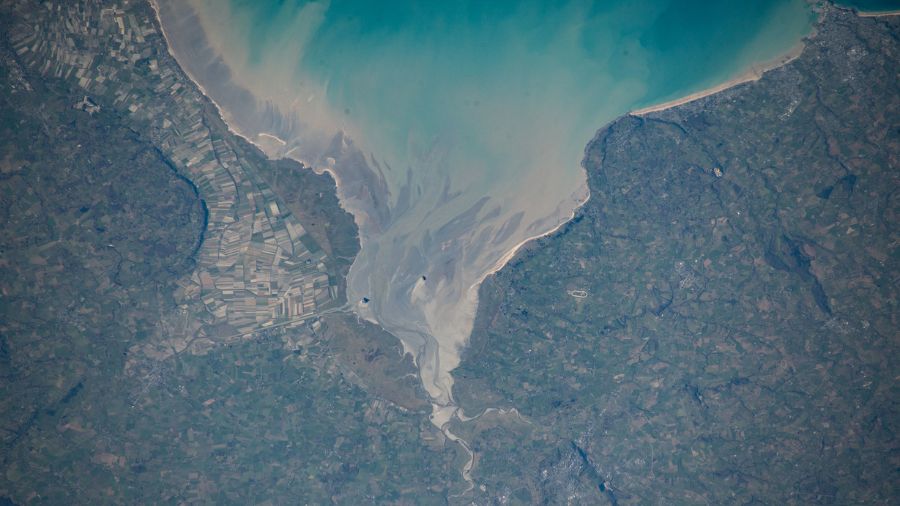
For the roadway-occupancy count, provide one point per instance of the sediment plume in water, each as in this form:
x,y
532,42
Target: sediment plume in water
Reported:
x,y
455,130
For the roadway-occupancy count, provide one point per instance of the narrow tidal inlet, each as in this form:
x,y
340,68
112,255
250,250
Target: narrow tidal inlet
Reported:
x,y
456,129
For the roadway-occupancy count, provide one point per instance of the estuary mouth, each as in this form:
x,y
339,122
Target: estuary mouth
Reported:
x,y
455,132
465,252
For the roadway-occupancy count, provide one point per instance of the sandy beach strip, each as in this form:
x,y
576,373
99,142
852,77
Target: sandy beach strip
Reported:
x,y
877,14
753,74
171,50
221,111
580,201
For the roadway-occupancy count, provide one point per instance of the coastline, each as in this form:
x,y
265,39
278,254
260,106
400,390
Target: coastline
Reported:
x,y
579,199
499,264
221,113
219,110
754,73
443,413
877,14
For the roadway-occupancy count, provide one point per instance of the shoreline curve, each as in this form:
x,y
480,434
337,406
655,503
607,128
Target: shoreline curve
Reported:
x,y
754,73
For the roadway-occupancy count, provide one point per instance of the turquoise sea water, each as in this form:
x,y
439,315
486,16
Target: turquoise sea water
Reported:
x,y
472,117
495,78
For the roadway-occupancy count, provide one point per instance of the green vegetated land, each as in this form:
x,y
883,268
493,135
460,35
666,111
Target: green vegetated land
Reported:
x,y
719,323
125,374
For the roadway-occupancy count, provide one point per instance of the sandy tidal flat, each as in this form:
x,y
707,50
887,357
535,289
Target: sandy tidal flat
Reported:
x,y
455,131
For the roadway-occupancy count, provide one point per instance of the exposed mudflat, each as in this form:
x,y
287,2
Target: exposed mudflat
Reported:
x,y
455,135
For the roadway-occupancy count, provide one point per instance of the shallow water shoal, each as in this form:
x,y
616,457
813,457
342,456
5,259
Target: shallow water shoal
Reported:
x,y
456,129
